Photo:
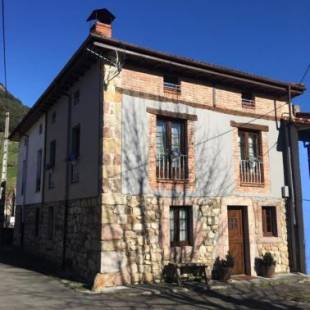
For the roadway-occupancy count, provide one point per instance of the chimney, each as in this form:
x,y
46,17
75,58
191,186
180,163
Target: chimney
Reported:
x,y
101,22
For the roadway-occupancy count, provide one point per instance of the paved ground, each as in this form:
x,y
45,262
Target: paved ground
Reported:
x,y
22,288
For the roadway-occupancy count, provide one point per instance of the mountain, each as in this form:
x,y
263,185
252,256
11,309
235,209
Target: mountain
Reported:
x,y
9,103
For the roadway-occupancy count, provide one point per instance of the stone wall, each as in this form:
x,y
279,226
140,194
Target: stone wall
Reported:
x,y
135,239
82,250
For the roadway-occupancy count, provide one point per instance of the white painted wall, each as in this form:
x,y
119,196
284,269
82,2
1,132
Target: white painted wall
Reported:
x,y
213,149
35,143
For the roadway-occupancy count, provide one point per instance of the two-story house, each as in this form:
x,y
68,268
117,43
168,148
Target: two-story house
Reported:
x,y
134,158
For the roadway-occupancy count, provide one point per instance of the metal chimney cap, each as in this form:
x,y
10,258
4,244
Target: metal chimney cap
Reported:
x,y
101,15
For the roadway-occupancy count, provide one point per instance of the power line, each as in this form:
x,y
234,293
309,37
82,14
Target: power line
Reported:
x,y
4,45
247,123
305,74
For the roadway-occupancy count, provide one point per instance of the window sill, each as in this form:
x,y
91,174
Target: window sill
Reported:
x,y
172,181
261,185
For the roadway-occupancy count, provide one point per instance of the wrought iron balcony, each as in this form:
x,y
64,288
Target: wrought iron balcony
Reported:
x,y
172,167
252,172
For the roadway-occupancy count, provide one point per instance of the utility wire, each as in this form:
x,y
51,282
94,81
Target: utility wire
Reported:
x,y
305,74
4,45
247,123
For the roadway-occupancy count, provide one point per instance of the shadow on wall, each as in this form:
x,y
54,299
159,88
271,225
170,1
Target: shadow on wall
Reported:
x,y
135,235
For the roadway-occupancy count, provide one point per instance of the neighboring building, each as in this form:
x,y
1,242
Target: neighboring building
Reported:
x,y
133,158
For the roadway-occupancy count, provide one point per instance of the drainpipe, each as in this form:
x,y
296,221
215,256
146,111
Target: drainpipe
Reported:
x,y
24,185
67,186
44,158
296,232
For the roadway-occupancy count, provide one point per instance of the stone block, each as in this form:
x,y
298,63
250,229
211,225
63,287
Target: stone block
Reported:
x,y
111,232
113,261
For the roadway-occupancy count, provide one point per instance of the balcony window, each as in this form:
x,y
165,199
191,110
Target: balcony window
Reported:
x,y
180,225
251,161
171,150
248,100
172,84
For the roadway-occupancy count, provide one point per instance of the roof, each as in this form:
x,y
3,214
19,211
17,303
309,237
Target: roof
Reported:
x,y
81,60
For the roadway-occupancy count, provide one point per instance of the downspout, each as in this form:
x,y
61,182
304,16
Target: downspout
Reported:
x,y
24,183
295,202
67,186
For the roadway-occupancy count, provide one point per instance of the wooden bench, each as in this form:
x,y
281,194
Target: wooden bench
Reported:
x,y
174,271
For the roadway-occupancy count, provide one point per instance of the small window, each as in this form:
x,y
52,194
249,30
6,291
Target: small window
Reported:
x,y
180,225
76,97
54,117
40,129
248,100
39,170
50,180
50,223
75,177
75,145
269,219
172,84
52,158
37,222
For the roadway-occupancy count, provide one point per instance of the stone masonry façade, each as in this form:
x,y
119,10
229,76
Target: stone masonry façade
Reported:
x,y
83,250
135,244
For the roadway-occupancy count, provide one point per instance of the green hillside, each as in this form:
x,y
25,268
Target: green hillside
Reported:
x,y
9,103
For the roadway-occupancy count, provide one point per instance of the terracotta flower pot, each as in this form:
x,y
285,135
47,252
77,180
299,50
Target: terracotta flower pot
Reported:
x,y
268,271
225,273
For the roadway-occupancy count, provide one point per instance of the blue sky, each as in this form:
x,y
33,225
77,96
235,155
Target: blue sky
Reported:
x,y
266,37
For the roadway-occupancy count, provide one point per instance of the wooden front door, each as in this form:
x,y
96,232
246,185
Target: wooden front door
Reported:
x,y
236,238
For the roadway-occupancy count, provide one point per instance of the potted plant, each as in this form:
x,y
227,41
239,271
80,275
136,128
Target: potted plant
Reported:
x,y
225,267
266,265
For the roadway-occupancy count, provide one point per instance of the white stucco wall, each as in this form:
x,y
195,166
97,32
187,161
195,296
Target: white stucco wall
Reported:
x,y
29,151
213,149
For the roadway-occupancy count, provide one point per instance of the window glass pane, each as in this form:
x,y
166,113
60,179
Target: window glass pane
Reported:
x,y
253,145
176,138
161,137
183,224
172,228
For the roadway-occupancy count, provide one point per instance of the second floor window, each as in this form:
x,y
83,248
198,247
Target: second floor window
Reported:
x,y
171,150
39,170
52,158
75,143
251,158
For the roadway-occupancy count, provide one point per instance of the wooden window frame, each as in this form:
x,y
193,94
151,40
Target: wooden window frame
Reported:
x,y
75,142
39,170
248,100
52,154
274,227
184,145
245,148
76,97
176,217
172,84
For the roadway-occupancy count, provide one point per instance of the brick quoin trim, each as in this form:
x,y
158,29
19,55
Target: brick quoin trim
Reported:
x,y
168,185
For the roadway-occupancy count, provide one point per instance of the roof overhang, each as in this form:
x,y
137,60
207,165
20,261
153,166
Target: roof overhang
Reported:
x,y
154,60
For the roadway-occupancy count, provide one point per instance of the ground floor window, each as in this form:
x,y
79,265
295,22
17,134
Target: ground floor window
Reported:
x,y
180,225
269,219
